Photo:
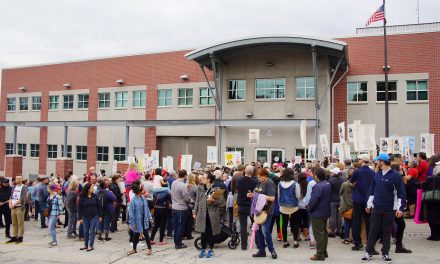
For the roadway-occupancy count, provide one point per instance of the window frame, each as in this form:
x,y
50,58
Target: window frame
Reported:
x,y
22,104
139,100
208,97
165,99
186,97
82,103
358,89
35,105
417,91
34,150
9,106
68,102
121,100
21,150
51,151
105,101
69,153
274,88
80,153
305,88
230,90
9,148
118,153
377,92
100,155
54,103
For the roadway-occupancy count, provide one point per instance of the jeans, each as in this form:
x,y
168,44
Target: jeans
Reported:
x,y
90,224
6,212
263,236
347,227
71,227
52,225
135,238
37,210
359,213
42,218
321,236
335,218
160,221
243,218
104,225
179,220
380,221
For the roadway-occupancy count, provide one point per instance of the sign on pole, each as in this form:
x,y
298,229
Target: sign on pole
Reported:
x,y
212,155
341,132
324,145
312,152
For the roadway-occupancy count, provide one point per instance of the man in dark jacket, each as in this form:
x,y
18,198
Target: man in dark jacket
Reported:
x,y
42,195
114,188
320,210
244,185
5,194
335,220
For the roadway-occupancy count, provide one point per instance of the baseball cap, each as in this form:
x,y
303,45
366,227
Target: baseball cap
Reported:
x,y
266,165
5,180
364,157
383,157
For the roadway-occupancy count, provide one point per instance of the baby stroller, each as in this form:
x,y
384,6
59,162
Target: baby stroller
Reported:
x,y
220,238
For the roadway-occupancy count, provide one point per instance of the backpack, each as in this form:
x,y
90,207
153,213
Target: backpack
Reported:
x,y
102,201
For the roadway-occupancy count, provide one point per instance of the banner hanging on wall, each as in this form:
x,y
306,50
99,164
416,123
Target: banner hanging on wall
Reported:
x,y
254,136
212,155
303,133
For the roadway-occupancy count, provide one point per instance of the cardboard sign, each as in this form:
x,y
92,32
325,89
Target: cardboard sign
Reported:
x,y
254,136
212,155
312,152
230,159
325,147
131,159
298,160
347,151
303,133
338,151
237,157
155,159
197,165
185,162
341,132
114,166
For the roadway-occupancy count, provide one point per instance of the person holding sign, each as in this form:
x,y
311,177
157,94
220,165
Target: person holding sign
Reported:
x,y
207,213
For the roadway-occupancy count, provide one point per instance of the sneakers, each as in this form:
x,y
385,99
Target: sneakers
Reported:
x,y
202,253
402,249
387,259
12,240
367,257
53,244
19,240
357,247
210,254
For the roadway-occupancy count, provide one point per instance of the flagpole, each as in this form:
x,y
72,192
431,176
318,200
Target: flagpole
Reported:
x,y
387,121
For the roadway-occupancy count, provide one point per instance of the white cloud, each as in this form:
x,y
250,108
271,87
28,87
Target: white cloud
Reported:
x,y
52,30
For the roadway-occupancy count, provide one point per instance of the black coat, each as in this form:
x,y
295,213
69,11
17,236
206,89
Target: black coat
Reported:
x,y
431,211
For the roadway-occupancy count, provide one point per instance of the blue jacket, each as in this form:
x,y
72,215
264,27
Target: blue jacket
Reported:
x,y
363,178
319,204
287,194
387,191
139,205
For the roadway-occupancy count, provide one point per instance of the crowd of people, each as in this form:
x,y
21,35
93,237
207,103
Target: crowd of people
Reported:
x,y
360,201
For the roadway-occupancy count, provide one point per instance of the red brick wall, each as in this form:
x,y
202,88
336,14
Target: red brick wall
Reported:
x,y
14,166
409,53
63,166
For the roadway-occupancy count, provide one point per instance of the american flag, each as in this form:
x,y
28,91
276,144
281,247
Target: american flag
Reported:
x,y
377,16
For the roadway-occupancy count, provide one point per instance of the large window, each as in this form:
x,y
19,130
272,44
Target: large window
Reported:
x,y
104,100
68,101
121,99
357,92
270,88
35,150
21,149
392,91
52,151
164,97
69,151
54,102
235,149
9,148
139,98
36,102
83,101
236,90
11,104
206,97
102,153
24,103
305,87
185,97
417,90
81,152
119,153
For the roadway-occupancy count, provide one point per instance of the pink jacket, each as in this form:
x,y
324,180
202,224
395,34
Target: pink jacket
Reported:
x,y
131,176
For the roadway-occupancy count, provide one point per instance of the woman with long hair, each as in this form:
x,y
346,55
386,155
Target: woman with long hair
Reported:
x,y
302,212
88,215
72,197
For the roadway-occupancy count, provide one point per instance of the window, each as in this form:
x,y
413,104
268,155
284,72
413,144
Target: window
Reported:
x,y
139,98
270,88
35,150
68,101
36,102
121,99
417,90
102,153
392,91
9,148
24,103
69,151
11,104
54,102
83,101
104,100
52,151
21,149
237,150
305,88
164,97
237,90
185,97
81,152
357,92
206,97
119,153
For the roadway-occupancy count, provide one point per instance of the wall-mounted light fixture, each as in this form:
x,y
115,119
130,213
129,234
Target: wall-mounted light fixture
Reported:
x,y
67,85
120,81
22,88
184,77
289,114
269,64
389,67
249,114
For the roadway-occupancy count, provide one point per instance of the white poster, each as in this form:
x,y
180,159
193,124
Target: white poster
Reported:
x,y
230,159
401,142
165,163
338,151
432,145
347,151
154,159
312,152
366,138
185,163
254,136
237,157
298,160
114,166
384,145
170,163
145,163
350,133
212,155
341,132
197,165
303,133
131,159
427,144
325,147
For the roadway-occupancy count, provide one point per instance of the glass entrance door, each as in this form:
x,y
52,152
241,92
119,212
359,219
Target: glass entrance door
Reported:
x,y
271,155
262,155
277,155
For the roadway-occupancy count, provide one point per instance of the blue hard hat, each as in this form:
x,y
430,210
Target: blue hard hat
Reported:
x,y
383,157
